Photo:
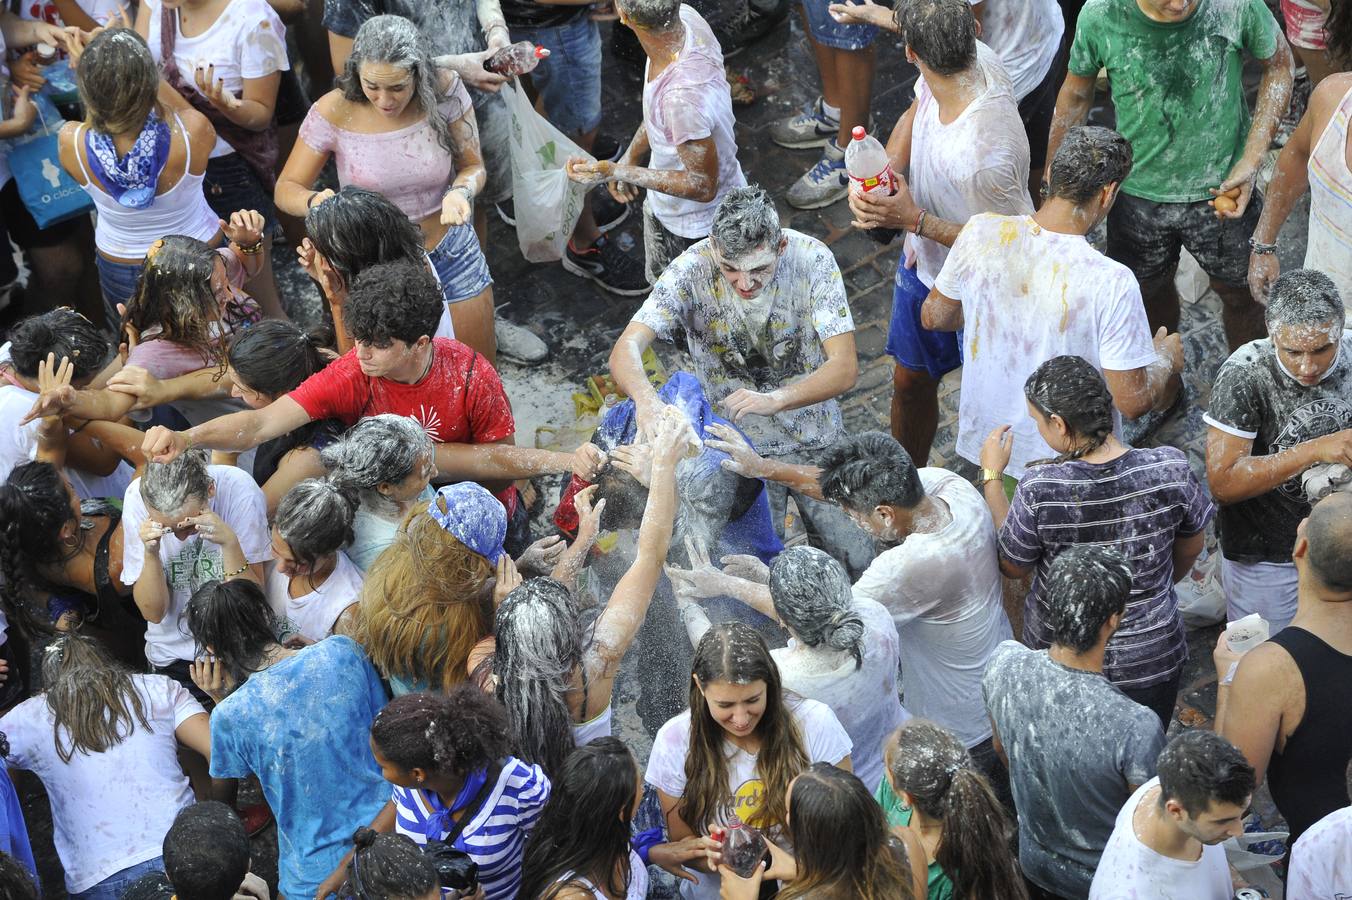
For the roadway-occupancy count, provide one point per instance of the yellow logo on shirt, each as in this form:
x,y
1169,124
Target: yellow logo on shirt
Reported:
x,y
747,799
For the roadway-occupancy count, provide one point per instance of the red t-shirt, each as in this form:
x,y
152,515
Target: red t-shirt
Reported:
x,y
460,401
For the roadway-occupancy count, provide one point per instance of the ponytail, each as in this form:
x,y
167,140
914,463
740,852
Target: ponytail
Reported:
x,y
974,847
813,596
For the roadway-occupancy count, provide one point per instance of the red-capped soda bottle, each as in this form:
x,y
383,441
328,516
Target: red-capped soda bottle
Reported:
x,y
743,848
870,170
518,59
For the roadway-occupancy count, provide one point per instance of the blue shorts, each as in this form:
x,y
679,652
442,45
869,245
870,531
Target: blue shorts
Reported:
x,y
117,283
828,32
911,345
460,264
230,184
569,81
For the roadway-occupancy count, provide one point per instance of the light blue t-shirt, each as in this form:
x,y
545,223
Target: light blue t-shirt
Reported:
x,y
371,533
303,726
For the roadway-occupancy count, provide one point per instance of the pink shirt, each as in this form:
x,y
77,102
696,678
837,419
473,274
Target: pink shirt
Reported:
x,y
408,166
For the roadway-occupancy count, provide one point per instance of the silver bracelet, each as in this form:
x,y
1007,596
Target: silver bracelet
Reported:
x,y
1262,249
469,194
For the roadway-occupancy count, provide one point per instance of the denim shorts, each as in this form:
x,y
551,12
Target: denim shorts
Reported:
x,y
828,32
117,283
569,81
1145,236
911,344
117,883
460,264
230,184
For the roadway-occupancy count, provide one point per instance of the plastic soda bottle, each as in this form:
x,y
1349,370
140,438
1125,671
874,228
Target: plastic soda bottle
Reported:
x,y
518,59
743,848
870,170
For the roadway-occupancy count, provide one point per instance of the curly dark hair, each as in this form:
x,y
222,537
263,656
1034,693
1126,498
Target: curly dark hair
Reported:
x,y
454,733
61,332
397,300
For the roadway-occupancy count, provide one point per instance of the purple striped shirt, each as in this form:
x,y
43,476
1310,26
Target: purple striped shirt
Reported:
x,y
1139,503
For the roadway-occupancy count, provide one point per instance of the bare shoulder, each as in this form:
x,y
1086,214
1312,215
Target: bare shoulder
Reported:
x,y
332,105
1325,98
1270,671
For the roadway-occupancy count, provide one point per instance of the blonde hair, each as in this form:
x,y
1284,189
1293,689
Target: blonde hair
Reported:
x,y
426,601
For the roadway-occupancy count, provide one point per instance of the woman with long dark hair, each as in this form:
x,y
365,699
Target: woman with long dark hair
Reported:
x,y
580,846
733,754
842,848
1098,490
933,788
104,741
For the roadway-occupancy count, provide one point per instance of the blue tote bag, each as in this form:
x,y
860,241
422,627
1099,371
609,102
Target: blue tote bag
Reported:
x,y
50,194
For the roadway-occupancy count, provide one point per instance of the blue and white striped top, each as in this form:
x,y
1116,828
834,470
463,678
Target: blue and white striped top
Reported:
x,y
496,837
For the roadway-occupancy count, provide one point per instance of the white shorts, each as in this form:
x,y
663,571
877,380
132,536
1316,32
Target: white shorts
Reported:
x,y
1266,588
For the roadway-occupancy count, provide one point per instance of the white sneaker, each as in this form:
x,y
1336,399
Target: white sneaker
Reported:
x,y
519,344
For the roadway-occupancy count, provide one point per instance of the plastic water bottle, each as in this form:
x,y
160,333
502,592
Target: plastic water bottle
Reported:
x,y
518,59
870,170
743,848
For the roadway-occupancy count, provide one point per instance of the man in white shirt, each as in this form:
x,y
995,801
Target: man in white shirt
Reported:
x,y
1167,841
939,577
1321,859
686,135
962,150
1024,289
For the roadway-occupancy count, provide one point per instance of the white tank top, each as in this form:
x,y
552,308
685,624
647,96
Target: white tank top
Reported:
x,y
1330,242
638,880
128,233
586,732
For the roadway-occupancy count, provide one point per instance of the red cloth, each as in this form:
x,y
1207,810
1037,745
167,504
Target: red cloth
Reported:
x,y
459,401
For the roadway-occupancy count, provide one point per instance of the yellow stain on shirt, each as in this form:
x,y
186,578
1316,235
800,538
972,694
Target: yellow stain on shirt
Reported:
x,y
976,337
1009,233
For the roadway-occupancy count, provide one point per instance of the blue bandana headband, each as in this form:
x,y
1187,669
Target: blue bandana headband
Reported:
x,y
473,516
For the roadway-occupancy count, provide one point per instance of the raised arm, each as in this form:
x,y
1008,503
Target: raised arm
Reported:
x,y
697,180
505,461
628,604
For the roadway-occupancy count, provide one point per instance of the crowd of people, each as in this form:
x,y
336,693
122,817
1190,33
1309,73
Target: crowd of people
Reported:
x,y
254,573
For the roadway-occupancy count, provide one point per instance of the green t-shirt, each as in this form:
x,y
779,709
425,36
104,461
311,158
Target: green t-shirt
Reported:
x,y
1176,88
940,885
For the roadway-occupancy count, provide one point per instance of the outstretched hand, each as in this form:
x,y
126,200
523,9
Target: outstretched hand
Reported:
x,y
742,457
55,393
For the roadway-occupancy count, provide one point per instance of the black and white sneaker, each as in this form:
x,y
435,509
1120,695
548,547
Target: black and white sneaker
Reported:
x,y
607,211
610,267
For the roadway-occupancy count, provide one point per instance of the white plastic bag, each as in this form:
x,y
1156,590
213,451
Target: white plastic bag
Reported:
x,y
1201,596
546,202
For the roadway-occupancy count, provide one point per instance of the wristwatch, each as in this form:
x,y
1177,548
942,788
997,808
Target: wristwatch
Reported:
x,y
989,475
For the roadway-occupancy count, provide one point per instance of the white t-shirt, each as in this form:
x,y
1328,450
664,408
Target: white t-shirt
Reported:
x,y
824,740
247,40
1129,870
1321,860
943,591
1029,294
19,443
976,163
110,810
865,700
46,11
190,564
691,101
1026,34
314,614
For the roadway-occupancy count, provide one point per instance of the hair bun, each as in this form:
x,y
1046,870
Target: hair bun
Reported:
x,y
363,838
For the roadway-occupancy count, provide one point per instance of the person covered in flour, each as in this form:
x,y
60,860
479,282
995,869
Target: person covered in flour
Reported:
x,y
1279,406
764,312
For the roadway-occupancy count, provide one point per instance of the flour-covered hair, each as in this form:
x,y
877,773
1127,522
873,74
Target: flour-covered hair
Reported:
x,y
745,220
1085,587
1305,297
813,595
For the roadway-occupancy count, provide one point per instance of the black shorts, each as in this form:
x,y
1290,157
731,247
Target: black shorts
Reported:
x,y
292,104
1037,108
1145,236
181,671
231,184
